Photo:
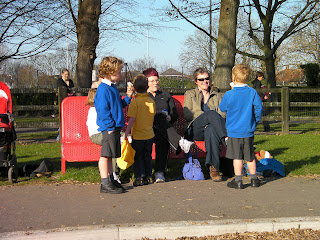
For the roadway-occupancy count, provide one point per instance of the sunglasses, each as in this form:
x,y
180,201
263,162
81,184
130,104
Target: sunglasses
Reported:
x,y
202,79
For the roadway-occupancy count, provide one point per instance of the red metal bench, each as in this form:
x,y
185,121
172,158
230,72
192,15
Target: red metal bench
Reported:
x,y
75,142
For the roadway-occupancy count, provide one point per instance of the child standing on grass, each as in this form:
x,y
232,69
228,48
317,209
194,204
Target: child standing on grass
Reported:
x,y
110,119
141,112
244,110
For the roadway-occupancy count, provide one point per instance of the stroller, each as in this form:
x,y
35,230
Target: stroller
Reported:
x,y
8,159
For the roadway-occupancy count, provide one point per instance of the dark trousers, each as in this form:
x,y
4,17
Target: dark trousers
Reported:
x,y
142,165
205,128
165,136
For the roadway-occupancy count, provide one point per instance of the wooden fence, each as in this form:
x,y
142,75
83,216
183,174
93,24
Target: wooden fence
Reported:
x,y
279,102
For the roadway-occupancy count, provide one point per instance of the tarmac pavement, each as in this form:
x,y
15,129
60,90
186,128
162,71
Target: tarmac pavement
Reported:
x,y
172,209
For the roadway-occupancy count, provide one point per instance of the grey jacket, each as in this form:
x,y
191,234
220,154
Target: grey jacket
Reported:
x,y
192,104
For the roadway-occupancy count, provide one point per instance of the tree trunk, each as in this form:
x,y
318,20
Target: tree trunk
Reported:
x,y
270,72
226,43
88,39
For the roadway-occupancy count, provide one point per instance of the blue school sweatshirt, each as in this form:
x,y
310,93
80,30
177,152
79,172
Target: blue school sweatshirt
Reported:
x,y
244,110
109,104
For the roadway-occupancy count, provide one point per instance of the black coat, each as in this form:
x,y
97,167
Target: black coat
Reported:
x,y
61,83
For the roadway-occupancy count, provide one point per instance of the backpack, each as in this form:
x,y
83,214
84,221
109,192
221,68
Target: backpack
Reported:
x,y
192,169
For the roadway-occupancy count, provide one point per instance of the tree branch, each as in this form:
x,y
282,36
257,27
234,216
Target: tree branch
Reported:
x,y
192,23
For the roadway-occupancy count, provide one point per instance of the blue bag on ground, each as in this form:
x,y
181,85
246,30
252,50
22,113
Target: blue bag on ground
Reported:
x,y
192,169
265,164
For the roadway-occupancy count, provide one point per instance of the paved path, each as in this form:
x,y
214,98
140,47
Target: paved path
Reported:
x,y
40,207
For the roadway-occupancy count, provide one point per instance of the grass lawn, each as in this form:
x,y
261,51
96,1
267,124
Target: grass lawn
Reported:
x,y
35,119
300,154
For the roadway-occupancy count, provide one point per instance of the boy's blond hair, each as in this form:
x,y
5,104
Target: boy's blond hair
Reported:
x,y
109,66
90,98
140,83
241,73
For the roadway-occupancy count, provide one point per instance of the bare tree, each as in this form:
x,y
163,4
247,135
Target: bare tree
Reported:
x,y
51,63
31,27
141,64
97,20
269,24
195,51
303,47
276,21
28,27
226,41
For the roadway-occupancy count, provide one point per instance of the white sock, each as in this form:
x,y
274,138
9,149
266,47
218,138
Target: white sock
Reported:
x,y
115,177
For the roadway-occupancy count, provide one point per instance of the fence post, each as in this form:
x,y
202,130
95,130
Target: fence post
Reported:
x,y
285,110
62,94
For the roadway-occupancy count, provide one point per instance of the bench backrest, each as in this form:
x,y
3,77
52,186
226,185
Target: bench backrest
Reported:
x,y
75,141
74,112
74,117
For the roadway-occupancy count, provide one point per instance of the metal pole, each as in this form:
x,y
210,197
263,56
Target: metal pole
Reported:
x,y
148,61
126,75
317,41
182,77
67,65
210,41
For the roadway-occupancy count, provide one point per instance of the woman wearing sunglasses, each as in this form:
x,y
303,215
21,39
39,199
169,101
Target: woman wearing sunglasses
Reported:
x,y
204,120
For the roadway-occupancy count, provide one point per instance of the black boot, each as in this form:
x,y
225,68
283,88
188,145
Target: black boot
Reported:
x,y
116,183
235,184
109,187
255,182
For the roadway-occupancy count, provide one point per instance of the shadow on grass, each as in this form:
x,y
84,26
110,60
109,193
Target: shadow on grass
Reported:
x,y
260,142
298,164
303,129
278,151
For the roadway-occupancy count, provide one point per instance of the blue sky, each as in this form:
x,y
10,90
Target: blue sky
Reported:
x,y
165,49
164,45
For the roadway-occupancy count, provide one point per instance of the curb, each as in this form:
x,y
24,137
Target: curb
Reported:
x,y
168,230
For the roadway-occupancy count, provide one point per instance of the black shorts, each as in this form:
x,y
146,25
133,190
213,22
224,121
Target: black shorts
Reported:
x,y
240,148
111,146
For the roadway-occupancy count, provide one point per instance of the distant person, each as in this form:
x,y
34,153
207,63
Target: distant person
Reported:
x,y
64,81
141,113
244,110
165,133
204,120
110,119
257,84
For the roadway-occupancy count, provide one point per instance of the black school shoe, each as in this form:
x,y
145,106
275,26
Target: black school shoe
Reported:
x,y
255,182
138,182
235,184
147,180
117,184
111,188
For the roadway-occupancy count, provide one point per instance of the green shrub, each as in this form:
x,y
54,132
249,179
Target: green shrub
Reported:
x,y
311,70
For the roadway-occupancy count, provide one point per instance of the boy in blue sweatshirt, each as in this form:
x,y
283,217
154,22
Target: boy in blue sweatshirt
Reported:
x,y
110,119
244,110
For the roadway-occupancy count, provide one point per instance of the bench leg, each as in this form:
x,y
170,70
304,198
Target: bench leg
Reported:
x,y
63,166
